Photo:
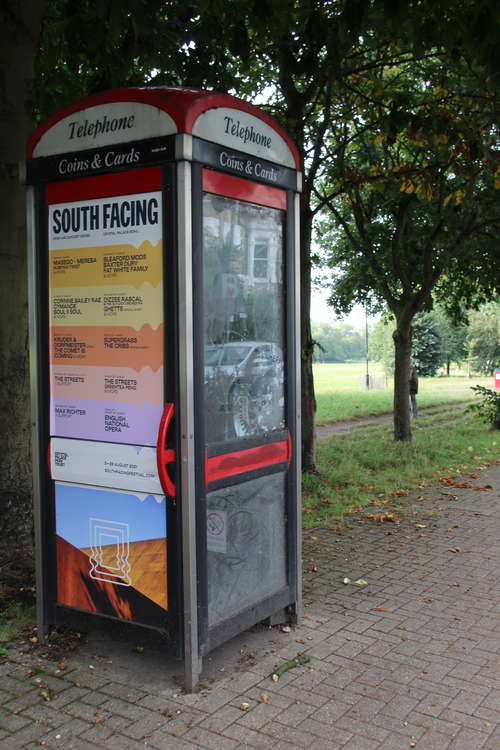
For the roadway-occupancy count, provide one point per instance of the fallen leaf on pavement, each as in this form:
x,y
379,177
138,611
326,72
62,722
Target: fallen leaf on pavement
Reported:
x,y
298,661
382,517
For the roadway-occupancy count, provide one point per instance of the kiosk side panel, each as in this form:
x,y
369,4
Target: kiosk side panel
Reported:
x,y
105,297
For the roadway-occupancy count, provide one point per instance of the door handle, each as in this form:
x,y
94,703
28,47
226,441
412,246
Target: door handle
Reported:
x,y
164,455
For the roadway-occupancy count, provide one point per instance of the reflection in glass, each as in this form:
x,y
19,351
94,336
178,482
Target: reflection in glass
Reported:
x,y
246,529
244,334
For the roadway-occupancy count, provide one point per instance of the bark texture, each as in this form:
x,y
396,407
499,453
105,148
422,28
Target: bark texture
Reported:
x,y
308,397
402,347
20,23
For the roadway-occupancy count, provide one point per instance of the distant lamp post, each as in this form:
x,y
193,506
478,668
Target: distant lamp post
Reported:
x,y
367,376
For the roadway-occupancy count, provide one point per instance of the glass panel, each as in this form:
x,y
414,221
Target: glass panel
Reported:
x,y
246,528
244,332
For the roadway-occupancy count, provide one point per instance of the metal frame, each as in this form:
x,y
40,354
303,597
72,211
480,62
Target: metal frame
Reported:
x,y
34,338
192,664
297,416
288,598
198,384
43,512
171,390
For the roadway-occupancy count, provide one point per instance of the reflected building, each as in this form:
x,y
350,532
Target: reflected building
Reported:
x,y
243,314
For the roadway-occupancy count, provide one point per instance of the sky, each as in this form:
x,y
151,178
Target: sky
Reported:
x,y
323,313
76,505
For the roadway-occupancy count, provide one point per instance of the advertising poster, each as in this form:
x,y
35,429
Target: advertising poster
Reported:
x,y
106,318
112,552
128,467
106,398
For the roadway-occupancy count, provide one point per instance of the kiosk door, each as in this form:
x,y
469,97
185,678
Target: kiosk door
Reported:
x,y
244,404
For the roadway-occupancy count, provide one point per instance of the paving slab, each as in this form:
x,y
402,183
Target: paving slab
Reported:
x,y
409,660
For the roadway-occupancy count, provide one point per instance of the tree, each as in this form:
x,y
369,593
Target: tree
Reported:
x,y
453,338
483,338
381,344
292,48
412,197
426,345
20,24
337,343
50,54
302,51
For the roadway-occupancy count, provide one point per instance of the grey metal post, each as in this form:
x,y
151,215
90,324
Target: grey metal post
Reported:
x,y
367,378
33,297
192,661
298,403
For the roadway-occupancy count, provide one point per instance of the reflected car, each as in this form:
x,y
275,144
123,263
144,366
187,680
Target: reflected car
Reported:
x,y
244,382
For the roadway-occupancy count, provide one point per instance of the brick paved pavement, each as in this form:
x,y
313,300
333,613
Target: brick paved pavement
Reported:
x,y
411,660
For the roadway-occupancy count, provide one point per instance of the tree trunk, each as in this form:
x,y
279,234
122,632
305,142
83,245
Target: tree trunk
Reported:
x,y
308,398
402,357
20,23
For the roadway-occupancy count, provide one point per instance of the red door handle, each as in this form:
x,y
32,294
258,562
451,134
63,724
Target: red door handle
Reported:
x,y
165,455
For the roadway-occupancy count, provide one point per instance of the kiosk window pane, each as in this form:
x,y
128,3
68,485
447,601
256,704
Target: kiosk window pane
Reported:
x,y
243,318
246,529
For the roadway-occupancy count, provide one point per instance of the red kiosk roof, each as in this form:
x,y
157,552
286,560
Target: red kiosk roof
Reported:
x,y
183,105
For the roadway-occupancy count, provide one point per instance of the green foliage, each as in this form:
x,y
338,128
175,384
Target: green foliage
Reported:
x,y
337,343
439,341
483,338
411,188
426,346
330,72
409,203
90,46
488,409
381,344
453,338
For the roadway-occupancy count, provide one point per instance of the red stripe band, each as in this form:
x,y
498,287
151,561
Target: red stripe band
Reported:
x,y
239,462
103,186
244,190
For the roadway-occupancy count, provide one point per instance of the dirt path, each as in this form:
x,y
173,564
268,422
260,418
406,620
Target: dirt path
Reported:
x,y
332,428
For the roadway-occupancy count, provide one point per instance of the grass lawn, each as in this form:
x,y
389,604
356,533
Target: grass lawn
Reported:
x,y
340,392
366,467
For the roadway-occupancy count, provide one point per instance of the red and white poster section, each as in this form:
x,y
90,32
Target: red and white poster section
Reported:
x,y
165,365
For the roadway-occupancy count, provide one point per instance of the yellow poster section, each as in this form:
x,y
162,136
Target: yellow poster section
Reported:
x,y
100,266
101,305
